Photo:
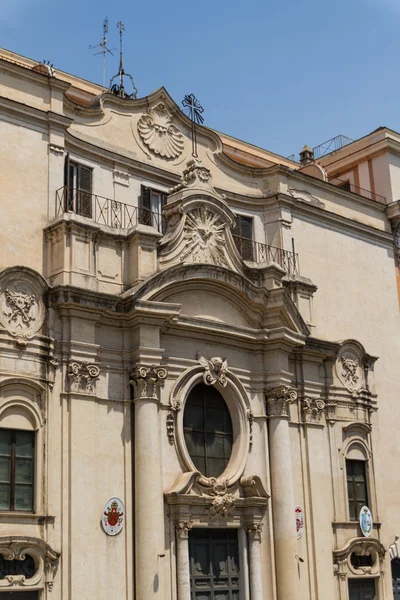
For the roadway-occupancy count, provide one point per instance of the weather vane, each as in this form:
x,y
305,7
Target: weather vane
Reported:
x,y
104,49
116,89
194,110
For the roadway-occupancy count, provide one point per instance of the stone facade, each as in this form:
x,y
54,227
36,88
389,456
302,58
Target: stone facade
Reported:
x,y
126,283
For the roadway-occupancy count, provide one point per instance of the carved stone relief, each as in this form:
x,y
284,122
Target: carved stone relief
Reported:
x,y
215,370
146,381
22,310
368,547
223,501
159,134
182,529
204,237
83,376
350,369
254,531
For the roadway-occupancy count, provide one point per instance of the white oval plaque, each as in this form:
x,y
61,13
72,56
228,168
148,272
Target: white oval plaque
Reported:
x,y
365,521
299,521
113,517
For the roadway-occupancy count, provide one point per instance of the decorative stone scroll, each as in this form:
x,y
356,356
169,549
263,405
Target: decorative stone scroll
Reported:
x,y
22,310
147,380
215,370
278,400
159,134
313,409
83,376
370,547
17,548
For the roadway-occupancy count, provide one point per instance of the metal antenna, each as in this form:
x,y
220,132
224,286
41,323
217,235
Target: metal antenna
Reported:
x,y
104,49
194,110
119,90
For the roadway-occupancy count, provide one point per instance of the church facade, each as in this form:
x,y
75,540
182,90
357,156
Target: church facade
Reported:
x,y
199,358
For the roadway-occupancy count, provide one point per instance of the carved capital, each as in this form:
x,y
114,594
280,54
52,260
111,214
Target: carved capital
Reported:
x,y
147,380
278,400
254,531
83,376
182,529
313,409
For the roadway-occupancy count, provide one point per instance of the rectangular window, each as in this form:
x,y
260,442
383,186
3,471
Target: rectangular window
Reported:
x,y
16,469
356,487
78,188
362,589
345,185
151,203
243,236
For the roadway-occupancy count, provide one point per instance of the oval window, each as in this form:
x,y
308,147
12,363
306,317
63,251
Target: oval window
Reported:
x,y
207,427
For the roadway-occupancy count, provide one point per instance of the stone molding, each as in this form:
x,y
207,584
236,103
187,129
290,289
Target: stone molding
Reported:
x,y
343,567
45,558
146,381
83,376
278,400
182,529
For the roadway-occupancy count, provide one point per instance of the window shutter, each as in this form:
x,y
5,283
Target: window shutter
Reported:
x,y
85,179
246,227
66,170
145,206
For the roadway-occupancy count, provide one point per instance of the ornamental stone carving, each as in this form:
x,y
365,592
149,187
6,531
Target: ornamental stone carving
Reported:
x,y
278,400
83,376
146,381
367,547
223,502
17,548
22,310
313,409
204,237
254,531
159,134
350,368
215,370
182,529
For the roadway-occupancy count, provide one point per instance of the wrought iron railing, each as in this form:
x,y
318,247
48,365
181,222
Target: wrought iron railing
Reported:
x,y
350,187
257,252
105,211
334,143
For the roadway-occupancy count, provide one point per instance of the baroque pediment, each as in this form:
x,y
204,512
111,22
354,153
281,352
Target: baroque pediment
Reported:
x,y
199,223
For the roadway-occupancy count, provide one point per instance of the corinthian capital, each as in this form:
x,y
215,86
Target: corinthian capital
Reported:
x,y
278,400
146,380
254,531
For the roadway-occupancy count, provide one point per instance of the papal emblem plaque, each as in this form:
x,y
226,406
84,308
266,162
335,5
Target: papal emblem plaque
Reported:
x,y
113,517
299,521
365,521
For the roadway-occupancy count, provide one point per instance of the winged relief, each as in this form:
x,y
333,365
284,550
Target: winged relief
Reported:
x,y
215,370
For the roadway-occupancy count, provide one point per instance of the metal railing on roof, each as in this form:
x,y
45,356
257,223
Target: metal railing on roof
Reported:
x,y
351,187
258,253
331,145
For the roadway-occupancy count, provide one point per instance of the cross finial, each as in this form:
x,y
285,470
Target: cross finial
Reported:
x,y
119,90
194,111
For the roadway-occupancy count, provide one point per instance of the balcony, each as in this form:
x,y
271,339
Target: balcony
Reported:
x,y
355,189
104,211
259,253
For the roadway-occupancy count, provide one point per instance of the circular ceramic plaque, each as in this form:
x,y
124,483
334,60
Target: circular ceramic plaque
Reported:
x,y
299,521
113,516
365,521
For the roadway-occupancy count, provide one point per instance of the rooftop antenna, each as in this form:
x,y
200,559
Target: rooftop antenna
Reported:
x,y
119,89
194,110
104,49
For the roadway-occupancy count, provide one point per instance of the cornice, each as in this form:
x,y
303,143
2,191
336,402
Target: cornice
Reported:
x,y
34,115
22,72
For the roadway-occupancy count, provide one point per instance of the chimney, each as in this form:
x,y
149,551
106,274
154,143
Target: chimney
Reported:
x,y
306,156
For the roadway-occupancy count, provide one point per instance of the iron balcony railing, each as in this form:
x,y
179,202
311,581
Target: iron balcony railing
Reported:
x,y
331,145
257,252
105,211
350,187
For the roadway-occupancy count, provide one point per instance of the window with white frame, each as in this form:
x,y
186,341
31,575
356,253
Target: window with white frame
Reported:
x,y
151,203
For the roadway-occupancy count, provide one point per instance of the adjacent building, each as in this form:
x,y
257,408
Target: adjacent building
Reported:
x,y
199,350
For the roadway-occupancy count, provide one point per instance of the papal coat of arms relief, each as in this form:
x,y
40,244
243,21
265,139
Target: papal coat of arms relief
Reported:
x,y
159,134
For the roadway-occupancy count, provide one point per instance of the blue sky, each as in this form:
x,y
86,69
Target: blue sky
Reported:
x,y
278,74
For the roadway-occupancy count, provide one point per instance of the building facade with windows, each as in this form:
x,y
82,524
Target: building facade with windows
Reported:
x,y
202,349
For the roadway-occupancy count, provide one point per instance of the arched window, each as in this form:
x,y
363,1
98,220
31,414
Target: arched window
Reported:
x,y
207,427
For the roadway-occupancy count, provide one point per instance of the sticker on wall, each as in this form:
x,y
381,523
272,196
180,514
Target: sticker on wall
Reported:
x,y
113,516
365,521
299,521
